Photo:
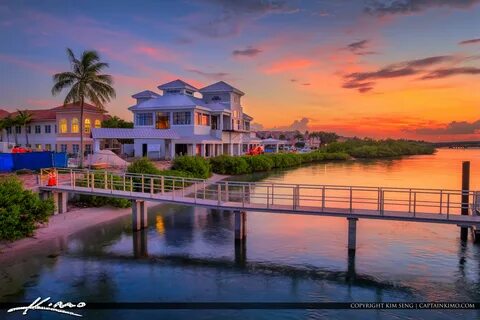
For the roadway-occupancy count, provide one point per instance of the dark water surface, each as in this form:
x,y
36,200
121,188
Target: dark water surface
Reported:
x,y
188,254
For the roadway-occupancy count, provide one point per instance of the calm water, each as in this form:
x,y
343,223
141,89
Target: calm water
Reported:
x,y
188,254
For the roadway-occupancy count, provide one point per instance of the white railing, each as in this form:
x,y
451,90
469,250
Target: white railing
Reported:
x,y
272,195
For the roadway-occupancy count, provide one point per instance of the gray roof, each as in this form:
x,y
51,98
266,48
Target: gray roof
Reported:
x,y
133,133
220,86
247,116
145,94
199,138
177,84
170,101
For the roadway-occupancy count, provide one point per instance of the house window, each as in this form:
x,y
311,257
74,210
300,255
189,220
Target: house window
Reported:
x,y
63,126
182,117
48,147
75,127
202,119
37,129
29,129
18,129
48,128
63,148
38,147
173,91
247,125
216,98
144,119
75,148
88,126
88,148
9,130
163,120
189,92
98,124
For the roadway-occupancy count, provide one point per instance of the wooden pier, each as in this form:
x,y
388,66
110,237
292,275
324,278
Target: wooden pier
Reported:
x,y
350,202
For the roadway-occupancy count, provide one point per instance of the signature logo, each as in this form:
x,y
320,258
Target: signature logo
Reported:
x,y
45,305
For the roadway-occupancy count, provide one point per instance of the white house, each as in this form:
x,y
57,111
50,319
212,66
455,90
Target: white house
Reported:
x,y
179,122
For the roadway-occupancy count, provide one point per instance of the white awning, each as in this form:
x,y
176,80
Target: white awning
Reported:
x,y
134,133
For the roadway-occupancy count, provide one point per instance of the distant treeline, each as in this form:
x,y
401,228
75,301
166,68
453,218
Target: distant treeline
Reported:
x,y
369,148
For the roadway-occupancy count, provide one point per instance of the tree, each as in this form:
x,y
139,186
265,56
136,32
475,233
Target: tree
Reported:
x,y
298,136
116,122
23,118
7,125
84,81
282,137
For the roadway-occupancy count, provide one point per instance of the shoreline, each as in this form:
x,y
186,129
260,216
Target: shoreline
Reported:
x,y
62,226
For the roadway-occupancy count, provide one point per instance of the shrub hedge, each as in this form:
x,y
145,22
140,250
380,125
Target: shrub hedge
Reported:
x,y
20,210
197,166
247,164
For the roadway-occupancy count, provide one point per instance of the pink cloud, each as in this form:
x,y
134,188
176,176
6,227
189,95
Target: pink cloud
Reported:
x,y
288,64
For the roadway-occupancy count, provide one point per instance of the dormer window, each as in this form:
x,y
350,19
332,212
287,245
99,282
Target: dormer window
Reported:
x,y
175,91
189,92
216,98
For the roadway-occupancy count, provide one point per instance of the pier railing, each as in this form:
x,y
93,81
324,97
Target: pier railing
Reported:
x,y
269,195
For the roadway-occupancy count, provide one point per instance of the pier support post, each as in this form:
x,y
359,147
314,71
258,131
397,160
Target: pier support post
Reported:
x,y
465,196
60,200
240,237
352,235
240,225
139,215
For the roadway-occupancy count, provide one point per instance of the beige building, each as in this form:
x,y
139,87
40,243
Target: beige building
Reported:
x,y
55,129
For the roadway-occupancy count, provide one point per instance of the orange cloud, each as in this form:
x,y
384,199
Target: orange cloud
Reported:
x,y
288,64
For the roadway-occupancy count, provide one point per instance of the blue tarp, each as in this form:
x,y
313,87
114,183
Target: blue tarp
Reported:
x,y
32,160
6,162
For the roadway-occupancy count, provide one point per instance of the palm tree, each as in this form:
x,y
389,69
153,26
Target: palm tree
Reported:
x,y
84,81
23,118
7,125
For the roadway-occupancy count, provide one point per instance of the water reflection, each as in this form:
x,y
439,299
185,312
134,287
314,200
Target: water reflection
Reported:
x,y
190,254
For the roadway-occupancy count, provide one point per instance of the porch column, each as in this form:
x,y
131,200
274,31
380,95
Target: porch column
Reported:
x,y
194,149
172,150
203,149
276,148
231,149
96,145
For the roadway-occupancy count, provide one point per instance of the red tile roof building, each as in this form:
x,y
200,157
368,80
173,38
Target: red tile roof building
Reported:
x,y
55,129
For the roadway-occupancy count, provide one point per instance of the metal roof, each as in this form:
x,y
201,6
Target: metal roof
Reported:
x,y
220,86
134,133
145,94
176,84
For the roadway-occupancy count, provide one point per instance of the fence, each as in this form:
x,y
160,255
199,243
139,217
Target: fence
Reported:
x,y
295,197
32,160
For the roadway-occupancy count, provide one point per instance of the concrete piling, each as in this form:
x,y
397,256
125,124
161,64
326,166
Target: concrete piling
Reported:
x,y
139,215
240,225
352,235
465,196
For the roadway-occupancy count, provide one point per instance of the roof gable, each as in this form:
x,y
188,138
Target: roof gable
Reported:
x,y
220,86
145,94
177,84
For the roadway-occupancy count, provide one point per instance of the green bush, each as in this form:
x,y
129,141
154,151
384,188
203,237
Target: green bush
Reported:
x,y
259,163
369,148
144,166
198,166
229,165
247,164
20,210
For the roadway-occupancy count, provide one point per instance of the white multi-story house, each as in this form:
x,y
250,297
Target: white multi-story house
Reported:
x,y
186,120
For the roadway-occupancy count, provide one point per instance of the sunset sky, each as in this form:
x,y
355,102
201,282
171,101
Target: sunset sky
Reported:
x,y
402,68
